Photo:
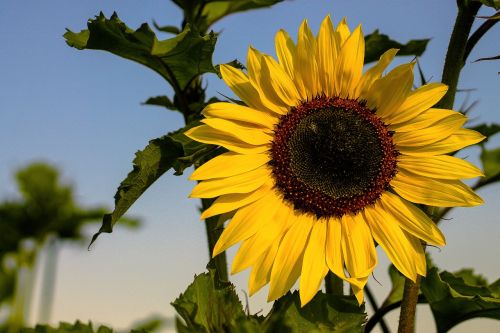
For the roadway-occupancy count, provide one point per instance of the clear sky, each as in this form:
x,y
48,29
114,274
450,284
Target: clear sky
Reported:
x,y
80,110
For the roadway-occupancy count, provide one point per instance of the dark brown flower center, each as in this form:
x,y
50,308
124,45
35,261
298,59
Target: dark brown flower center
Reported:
x,y
332,156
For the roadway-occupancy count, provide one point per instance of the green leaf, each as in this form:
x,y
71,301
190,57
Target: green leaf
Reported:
x,y
208,305
171,29
376,44
491,162
203,14
398,284
179,59
174,150
324,313
488,130
491,3
215,10
77,327
163,101
458,297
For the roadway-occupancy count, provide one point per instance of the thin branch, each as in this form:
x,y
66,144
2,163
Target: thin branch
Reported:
x,y
374,304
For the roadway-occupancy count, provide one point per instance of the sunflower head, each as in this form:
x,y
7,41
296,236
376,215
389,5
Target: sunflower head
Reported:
x,y
325,160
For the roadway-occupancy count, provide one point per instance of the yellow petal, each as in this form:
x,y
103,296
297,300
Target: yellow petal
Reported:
x,y
412,219
206,134
461,138
334,255
327,52
425,119
439,193
288,261
254,66
252,248
434,133
229,202
244,89
420,261
306,67
285,50
261,271
249,134
357,246
374,73
276,84
357,287
343,31
242,183
246,222
388,93
314,266
418,101
229,164
349,66
231,111
390,237
440,167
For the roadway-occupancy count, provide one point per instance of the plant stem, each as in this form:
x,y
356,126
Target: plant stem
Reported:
x,y
409,306
213,234
454,60
379,315
334,285
453,64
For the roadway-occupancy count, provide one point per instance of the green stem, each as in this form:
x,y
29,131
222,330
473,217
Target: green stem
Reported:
x,y
409,306
454,60
334,285
213,233
379,315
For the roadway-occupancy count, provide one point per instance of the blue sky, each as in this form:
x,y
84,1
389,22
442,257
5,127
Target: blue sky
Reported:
x,y
80,110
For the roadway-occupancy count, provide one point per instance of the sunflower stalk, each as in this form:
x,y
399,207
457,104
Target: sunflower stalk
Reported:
x,y
214,231
454,62
455,56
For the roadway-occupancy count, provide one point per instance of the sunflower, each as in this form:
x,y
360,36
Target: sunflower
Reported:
x,y
325,161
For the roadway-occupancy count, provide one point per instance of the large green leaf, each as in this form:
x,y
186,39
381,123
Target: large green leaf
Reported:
x,y
208,305
324,313
174,150
458,297
376,44
178,59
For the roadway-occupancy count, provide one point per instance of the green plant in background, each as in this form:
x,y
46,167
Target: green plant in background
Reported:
x,y
210,303
44,216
